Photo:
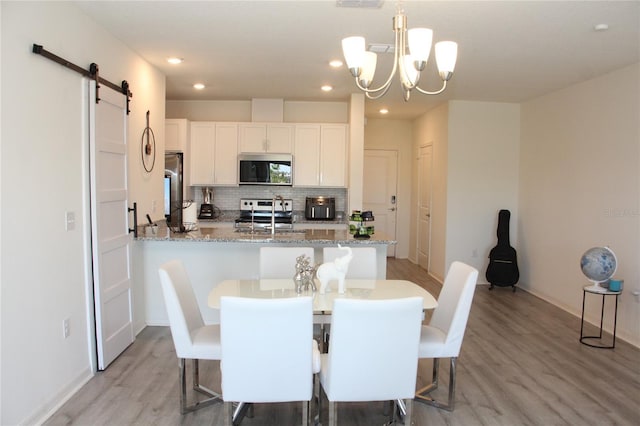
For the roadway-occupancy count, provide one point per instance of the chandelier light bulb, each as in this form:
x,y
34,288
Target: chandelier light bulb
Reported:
x,y
420,40
353,50
446,55
412,49
408,73
368,68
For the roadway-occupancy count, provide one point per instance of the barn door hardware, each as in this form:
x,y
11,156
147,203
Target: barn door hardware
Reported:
x,y
92,73
134,209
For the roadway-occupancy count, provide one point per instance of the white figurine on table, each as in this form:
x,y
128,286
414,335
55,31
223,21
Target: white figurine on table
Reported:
x,y
336,270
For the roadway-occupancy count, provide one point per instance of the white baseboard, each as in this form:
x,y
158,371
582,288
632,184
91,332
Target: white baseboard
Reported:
x,y
54,404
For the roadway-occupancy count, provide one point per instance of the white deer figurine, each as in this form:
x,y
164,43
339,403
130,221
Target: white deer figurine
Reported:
x,y
336,270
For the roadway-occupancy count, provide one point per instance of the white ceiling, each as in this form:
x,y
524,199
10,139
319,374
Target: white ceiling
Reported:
x,y
508,51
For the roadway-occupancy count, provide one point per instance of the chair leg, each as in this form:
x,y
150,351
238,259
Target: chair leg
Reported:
x,y
422,394
408,412
333,414
228,413
305,413
213,396
242,410
401,411
316,397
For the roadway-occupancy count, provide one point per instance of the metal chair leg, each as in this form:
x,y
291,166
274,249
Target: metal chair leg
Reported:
x,y
333,414
422,394
213,396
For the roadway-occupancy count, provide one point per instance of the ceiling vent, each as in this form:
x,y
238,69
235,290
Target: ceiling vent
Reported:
x,y
381,48
363,4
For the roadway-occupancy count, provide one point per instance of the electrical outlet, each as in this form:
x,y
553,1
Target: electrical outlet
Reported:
x,y
69,221
154,206
65,328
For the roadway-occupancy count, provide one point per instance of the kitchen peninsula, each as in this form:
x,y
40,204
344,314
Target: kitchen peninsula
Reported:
x,y
212,255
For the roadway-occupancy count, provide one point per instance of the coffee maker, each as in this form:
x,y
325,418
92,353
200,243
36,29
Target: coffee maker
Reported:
x,y
206,208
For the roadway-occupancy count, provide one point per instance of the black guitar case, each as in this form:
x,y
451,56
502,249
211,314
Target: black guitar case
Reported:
x,y
503,262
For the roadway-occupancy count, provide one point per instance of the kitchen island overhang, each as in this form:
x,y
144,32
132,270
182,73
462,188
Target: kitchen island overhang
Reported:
x,y
212,255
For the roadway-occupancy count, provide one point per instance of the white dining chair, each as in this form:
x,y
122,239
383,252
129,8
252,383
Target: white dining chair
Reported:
x,y
280,262
442,338
191,337
268,353
364,264
373,354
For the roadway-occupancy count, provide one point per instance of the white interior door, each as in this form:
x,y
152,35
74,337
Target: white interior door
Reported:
x,y
110,238
379,191
424,205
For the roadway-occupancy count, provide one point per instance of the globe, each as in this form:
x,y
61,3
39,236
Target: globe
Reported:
x,y
598,264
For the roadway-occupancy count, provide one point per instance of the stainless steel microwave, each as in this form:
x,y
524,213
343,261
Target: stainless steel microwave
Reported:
x,y
265,169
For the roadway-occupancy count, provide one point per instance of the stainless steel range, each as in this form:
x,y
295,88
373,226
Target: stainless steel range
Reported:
x,y
258,213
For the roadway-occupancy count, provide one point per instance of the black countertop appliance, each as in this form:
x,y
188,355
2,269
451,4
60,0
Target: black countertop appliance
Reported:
x,y
320,208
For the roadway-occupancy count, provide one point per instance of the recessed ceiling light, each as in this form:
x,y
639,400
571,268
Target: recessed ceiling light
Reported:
x,y
326,88
198,86
384,111
601,27
175,60
336,63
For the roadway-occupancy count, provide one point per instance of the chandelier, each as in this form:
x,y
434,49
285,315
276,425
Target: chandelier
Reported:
x,y
408,62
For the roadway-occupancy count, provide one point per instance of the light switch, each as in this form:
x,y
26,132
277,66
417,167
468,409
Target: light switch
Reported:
x,y
69,221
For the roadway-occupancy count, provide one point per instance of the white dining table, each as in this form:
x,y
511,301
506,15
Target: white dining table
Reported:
x,y
364,289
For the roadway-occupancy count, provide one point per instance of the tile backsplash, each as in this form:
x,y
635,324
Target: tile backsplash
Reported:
x,y
228,198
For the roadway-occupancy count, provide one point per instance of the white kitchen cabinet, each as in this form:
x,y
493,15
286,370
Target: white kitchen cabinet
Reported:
x,y
225,156
333,155
266,137
176,134
214,153
306,164
320,155
177,139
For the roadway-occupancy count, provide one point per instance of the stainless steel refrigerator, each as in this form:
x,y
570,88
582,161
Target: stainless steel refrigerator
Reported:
x,y
173,197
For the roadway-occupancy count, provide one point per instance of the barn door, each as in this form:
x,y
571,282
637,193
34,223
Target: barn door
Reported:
x,y
110,238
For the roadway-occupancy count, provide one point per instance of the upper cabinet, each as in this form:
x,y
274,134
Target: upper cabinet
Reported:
x,y
214,153
320,151
266,137
177,138
320,155
176,134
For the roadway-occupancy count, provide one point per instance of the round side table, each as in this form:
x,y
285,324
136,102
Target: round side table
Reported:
x,y
596,341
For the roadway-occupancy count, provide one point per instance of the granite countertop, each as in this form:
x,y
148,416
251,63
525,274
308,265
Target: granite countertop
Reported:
x,y
231,235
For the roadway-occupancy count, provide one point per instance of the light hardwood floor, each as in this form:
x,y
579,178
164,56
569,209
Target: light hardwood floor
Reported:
x,y
521,364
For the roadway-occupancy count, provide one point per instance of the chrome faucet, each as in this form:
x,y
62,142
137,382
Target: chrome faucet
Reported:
x,y
273,212
252,224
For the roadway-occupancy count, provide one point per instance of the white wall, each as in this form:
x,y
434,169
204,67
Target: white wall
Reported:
x,y
396,135
43,175
482,178
475,169
579,188
432,129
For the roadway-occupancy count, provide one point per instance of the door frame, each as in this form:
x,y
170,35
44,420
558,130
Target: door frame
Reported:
x,y
417,248
398,209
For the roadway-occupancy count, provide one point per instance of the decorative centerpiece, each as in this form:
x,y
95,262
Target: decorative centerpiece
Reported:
x,y
305,272
336,270
358,229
